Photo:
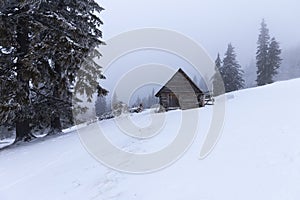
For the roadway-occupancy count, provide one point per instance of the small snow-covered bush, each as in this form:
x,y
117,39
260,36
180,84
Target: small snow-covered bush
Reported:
x,y
119,108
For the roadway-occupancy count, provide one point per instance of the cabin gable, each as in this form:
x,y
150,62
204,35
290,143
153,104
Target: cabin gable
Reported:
x,y
180,92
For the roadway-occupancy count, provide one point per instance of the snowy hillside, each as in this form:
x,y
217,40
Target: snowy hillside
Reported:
x,y
256,158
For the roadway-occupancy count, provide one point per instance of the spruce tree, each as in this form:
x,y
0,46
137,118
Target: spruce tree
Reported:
x,y
70,33
16,34
48,49
154,100
274,60
101,106
217,80
231,72
267,57
262,60
138,101
218,62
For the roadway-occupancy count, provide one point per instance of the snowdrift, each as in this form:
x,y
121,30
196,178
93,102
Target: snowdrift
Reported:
x,y
257,157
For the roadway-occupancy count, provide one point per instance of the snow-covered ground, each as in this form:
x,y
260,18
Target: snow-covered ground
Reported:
x,y
257,157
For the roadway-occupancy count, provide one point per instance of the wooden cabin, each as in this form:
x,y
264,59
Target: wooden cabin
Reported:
x,y
180,92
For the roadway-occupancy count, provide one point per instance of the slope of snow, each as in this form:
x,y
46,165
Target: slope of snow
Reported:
x,y
257,157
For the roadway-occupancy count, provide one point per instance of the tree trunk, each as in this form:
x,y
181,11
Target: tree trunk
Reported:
x,y
55,125
22,97
23,131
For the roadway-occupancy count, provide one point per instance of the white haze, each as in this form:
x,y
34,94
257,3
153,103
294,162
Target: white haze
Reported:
x,y
211,23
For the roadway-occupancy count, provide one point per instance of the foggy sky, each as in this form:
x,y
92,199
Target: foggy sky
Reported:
x,y
212,23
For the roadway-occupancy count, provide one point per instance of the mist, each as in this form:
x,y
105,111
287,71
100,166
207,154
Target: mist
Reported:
x,y
213,24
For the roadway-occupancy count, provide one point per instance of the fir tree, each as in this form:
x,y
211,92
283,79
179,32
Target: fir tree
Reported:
x,y
46,44
231,71
267,57
101,106
70,33
262,60
16,29
154,100
218,63
217,81
138,101
274,60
